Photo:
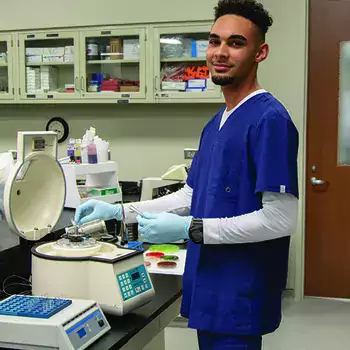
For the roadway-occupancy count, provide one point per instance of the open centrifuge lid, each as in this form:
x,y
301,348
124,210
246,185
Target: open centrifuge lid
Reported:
x,y
35,190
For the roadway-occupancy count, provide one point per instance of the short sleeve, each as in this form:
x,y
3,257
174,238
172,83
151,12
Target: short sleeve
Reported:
x,y
192,172
275,155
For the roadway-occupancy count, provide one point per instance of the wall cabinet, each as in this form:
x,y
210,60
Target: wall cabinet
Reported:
x,y
121,64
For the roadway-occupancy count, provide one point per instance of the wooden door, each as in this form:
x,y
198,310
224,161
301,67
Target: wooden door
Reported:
x,y
327,245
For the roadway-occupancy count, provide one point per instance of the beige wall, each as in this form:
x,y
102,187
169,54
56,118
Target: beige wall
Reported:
x,y
20,14
147,139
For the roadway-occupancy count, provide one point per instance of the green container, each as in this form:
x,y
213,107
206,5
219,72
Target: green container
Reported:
x,y
95,192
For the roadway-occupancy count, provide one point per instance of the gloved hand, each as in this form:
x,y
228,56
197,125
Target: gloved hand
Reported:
x,y
94,210
163,227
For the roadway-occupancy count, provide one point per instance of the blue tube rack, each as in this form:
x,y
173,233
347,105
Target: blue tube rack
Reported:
x,y
35,307
135,245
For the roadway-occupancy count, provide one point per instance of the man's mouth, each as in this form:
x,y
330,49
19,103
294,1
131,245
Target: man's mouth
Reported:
x,y
221,67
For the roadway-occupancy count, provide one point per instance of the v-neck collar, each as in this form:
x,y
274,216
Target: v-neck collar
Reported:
x,y
247,98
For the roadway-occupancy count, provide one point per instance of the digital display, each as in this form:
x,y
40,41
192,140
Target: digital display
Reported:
x,y
135,276
81,333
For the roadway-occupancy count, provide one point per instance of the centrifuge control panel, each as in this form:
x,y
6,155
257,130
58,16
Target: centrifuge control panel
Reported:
x,y
134,282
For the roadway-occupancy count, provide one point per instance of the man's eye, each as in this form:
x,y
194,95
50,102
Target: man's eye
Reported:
x,y
214,42
236,43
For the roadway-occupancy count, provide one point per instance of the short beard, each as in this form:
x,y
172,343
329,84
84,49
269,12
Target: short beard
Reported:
x,y
222,80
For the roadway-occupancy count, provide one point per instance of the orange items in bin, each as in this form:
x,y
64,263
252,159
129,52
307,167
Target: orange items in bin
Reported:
x,y
196,72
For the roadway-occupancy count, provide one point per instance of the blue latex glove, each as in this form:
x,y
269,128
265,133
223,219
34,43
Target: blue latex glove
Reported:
x,y
94,210
163,227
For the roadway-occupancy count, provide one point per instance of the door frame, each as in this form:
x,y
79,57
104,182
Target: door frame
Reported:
x,y
298,242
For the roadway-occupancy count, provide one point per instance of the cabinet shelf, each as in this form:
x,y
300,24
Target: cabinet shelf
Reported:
x,y
3,64
38,64
184,59
113,61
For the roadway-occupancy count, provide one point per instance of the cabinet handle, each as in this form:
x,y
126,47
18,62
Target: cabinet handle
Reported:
x,y
52,35
156,83
82,87
76,84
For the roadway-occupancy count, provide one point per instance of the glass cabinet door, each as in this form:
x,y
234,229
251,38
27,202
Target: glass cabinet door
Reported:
x,y
113,64
49,66
6,65
181,71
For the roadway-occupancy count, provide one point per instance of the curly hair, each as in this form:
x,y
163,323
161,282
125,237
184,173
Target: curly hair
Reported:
x,y
249,9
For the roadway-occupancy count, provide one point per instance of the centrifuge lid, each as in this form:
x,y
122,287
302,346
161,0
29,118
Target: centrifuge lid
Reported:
x,y
35,191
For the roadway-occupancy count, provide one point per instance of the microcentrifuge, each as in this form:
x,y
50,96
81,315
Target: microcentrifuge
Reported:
x,y
79,265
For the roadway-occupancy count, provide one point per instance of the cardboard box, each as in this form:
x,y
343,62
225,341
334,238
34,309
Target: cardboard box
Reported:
x,y
131,49
34,51
34,59
53,51
53,59
69,50
129,89
116,49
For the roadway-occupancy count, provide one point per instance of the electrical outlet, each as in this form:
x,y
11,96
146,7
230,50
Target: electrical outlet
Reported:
x,y
189,153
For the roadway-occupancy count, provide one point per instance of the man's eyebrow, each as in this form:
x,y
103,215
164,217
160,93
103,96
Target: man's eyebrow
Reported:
x,y
231,37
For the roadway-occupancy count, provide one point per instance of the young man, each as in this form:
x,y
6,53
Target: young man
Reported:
x,y
241,194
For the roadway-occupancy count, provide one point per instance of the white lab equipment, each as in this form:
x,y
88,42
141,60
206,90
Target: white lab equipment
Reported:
x,y
76,326
176,172
100,175
151,186
73,266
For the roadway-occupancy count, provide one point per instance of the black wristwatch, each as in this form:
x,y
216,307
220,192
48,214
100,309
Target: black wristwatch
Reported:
x,y
196,231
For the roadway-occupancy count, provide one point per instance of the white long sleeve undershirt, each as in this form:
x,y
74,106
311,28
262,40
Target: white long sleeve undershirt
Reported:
x,y
276,219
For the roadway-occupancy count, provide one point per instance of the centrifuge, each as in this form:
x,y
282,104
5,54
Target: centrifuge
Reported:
x,y
79,265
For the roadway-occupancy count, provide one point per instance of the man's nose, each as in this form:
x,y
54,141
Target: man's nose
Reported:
x,y
222,51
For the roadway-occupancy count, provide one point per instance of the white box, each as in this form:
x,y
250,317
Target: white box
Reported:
x,y
131,49
210,85
194,90
69,50
52,59
174,85
197,83
34,51
68,58
34,59
53,51
201,48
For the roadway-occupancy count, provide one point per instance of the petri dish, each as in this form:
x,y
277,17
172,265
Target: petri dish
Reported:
x,y
170,257
167,264
164,248
155,255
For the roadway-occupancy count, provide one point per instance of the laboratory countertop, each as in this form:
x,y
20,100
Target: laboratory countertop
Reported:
x,y
16,261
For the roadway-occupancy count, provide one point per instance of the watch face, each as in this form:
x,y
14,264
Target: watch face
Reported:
x,y
60,126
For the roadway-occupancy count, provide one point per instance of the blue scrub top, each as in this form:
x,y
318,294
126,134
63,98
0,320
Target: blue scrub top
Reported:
x,y
237,288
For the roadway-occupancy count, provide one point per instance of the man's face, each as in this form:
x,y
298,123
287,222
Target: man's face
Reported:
x,y
235,48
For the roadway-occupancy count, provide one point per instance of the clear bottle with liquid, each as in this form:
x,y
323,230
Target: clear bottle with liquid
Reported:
x,y
70,150
92,150
77,151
